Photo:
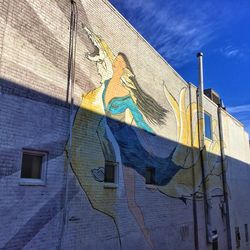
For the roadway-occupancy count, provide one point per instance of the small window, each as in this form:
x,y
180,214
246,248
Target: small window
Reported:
x,y
150,176
110,172
246,233
208,126
33,167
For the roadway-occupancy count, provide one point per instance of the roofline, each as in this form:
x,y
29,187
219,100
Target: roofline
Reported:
x,y
160,56
143,39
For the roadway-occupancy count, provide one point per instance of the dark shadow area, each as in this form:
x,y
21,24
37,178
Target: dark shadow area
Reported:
x,y
126,135
21,106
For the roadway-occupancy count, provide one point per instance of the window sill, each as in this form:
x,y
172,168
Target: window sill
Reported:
x,y
109,185
31,182
151,186
209,139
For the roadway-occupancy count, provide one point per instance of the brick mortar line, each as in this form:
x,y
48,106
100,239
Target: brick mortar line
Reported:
x,y
1,52
132,28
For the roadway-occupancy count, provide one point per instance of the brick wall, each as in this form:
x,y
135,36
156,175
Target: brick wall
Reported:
x,y
34,115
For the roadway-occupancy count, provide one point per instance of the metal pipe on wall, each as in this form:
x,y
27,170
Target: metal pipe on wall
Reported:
x,y
224,177
202,148
196,229
200,99
70,84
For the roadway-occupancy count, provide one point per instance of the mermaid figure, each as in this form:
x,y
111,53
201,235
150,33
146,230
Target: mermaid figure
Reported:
x,y
117,113
121,94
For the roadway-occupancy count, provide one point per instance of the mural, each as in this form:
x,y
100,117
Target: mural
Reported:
x,y
115,123
187,152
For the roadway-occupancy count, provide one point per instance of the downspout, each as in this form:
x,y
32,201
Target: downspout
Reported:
x,y
70,84
196,230
224,177
202,148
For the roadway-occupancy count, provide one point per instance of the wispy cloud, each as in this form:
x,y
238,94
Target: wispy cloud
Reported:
x,y
242,113
230,51
176,29
239,109
233,52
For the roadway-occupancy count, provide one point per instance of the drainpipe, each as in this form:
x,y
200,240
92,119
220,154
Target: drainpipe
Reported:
x,y
196,230
70,93
224,177
200,100
202,149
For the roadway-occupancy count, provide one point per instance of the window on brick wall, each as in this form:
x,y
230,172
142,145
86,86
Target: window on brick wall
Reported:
x,y
110,172
208,126
33,167
150,175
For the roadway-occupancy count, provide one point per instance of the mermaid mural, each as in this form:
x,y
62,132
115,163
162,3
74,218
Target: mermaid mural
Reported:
x,y
125,106
122,94
113,124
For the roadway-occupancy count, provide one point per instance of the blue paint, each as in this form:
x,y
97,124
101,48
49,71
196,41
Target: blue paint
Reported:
x,y
118,105
133,154
221,32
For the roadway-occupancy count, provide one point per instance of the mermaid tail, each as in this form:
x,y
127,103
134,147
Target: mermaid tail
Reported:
x,y
134,155
188,180
183,153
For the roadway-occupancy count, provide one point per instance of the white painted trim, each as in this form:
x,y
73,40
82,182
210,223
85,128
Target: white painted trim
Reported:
x,y
108,185
151,186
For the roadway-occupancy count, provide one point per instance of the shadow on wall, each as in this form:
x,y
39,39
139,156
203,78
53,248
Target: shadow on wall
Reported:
x,y
107,156
115,140
115,150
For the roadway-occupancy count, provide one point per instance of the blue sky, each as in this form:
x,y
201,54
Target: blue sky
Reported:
x,y
178,29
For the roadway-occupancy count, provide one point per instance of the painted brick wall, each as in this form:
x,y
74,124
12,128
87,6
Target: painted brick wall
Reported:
x,y
238,172
34,114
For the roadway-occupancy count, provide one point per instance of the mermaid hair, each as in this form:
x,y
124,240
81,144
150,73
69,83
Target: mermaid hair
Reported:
x,y
153,111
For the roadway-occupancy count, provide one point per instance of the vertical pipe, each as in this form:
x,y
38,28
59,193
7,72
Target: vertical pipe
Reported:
x,y
70,84
200,99
224,177
196,230
201,133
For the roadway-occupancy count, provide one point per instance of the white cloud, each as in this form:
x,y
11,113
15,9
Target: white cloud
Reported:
x,y
242,113
232,52
177,30
239,109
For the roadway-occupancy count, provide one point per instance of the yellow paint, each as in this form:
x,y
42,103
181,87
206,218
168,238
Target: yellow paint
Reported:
x,y
86,141
187,155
